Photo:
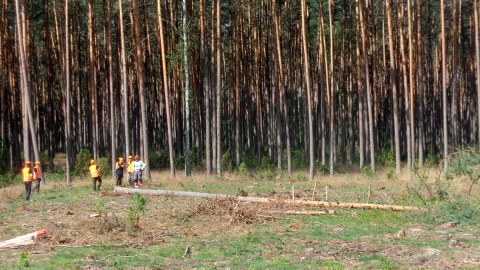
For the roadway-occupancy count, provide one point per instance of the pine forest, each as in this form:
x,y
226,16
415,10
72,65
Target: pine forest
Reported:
x,y
210,85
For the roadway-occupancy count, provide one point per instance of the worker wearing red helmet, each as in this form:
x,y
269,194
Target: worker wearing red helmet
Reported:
x,y
27,179
37,172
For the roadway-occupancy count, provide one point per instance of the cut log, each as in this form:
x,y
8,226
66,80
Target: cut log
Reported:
x,y
27,239
121,190
304,213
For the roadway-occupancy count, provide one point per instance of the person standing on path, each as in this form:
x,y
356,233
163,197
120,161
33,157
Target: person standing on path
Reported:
x,y
130,170
119,168
37,171
138,167
95,173
27,179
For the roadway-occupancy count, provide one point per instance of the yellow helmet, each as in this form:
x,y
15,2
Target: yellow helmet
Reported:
x,y
92,161
38,163
28,163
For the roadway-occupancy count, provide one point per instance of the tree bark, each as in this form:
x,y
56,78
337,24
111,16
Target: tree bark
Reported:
x,y
306,67
166,90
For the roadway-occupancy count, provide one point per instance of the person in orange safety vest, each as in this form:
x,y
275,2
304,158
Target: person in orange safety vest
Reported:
x,y
95,173
119,167
37,172
27,179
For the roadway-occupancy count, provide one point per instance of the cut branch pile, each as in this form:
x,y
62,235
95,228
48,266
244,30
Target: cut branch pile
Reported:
x,y
121,190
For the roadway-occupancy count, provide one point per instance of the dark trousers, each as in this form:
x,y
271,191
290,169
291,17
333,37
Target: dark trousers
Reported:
x,y
37,185
95,180
28,190
119,179
130,179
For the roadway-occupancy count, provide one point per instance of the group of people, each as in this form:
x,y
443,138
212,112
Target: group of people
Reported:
x,y
134,169
31,174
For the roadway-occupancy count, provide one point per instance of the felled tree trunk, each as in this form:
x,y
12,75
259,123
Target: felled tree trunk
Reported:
x,y
121,190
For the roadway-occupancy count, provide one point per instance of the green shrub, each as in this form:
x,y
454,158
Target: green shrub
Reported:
x,y
180,162
105,166
300,177
459,211
300,159
23,261
159,159
136,210
9,177
391,174
387,156
466,162
82,161
242,170
368,172
431,160
249,158
226,161
265,163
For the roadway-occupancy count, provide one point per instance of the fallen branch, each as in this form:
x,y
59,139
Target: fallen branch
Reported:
x,y
27,239
307,213
121,190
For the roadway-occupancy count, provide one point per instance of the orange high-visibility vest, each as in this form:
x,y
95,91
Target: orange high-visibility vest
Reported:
x,y
38,173
27,175
94,171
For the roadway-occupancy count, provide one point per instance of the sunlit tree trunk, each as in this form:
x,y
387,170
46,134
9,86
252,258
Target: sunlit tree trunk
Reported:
x,y
166,90
306,67
421,132
108,44
477,62
68,132
24,80
219,91
444,85
405,87
187,89
367,85
332,88
141,85
123,76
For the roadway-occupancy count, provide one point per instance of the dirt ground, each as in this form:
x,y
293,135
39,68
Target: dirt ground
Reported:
x,y
75,224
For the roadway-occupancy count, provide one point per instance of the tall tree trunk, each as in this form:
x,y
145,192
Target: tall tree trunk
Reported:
x,y
187,89
306,63
219,91
412,82
24,80
444,86
332,88
421,132
92,78
206,86
477,62
393,81
68,132
141,85
367,85
405,85
123,75
108,43
166,90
